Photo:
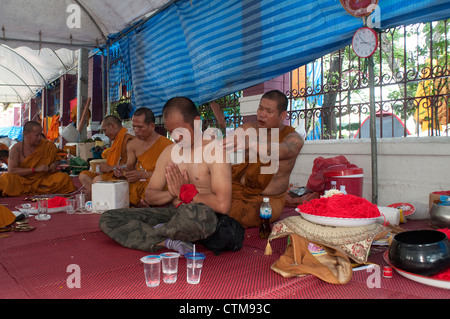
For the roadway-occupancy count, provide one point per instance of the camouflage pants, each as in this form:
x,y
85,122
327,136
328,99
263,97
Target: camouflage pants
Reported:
x,y
134,227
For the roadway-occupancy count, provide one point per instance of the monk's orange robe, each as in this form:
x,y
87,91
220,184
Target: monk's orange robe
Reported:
x,y
147,162
38,183
115,155
247,198
6,217
4,147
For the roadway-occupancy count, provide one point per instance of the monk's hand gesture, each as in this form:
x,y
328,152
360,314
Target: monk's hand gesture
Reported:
x,y
52,168
105,168
236,141
42,168
175,179
119,171
133,176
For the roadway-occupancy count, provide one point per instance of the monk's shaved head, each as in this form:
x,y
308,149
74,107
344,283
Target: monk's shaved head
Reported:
x,y
183,105
30,126
112,119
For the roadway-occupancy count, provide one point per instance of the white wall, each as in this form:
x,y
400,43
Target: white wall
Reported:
x,y
408,168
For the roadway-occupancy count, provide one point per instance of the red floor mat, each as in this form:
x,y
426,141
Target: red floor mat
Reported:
x,y
35,265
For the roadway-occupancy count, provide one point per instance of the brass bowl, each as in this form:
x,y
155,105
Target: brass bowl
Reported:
x,y
440,215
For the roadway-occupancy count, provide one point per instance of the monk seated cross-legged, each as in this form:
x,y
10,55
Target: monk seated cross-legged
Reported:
x,y
32,167
116,155
268,174
143,152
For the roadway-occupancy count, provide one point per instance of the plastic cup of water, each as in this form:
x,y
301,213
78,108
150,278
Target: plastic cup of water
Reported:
x,y
194,265
169,262
152,270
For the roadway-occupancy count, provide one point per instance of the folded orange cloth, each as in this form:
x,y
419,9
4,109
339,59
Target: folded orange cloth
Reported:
x,y
330,265
6,217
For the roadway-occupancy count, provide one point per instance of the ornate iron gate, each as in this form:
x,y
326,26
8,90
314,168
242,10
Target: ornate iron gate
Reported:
x,y
330,96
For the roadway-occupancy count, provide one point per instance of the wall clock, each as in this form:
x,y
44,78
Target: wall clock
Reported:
x,y
365,42
359,8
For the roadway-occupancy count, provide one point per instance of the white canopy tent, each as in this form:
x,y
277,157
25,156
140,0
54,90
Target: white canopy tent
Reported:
x,y
23,70
39,39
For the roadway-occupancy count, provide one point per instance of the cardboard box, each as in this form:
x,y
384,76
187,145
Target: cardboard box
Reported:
x,y
84,150
435,197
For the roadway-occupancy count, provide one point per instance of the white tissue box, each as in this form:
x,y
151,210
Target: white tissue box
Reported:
x,y
110,195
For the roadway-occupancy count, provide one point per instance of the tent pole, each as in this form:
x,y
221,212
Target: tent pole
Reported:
x,y
108,102
373,131
82,88
103,84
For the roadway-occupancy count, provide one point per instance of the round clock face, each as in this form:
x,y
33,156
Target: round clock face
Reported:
x,y
365,42
359,8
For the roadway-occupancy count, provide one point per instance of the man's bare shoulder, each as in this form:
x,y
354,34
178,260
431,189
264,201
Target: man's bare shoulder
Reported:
x,y
166,154
294,144
294,137
18,145
248,125
133,143
16,148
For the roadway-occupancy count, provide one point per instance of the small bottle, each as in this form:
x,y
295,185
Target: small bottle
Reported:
x,y
333,185
343,191
265,212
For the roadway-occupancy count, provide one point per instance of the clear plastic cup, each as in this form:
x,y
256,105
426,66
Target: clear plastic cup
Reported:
x,y
152,270
194,265
81,202
169,262
43,210
71,206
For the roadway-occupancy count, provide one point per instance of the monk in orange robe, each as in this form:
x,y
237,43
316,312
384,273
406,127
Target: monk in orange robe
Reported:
x,y
250,183
115,156
32,167
143,152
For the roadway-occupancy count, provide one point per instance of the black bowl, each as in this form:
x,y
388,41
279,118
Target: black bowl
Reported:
x,y
422,252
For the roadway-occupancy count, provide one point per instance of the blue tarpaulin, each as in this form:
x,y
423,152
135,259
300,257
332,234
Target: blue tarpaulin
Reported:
x,y
13,132
207,49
